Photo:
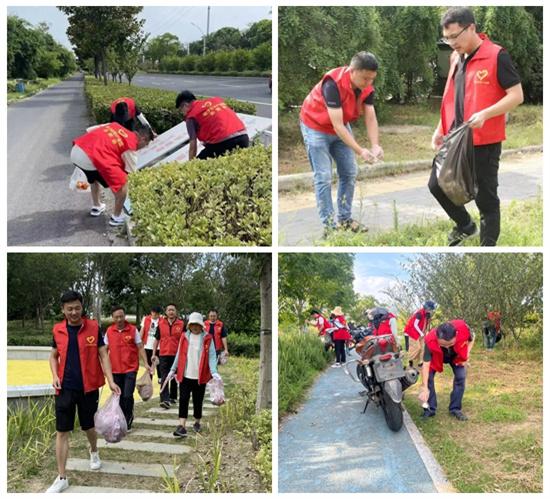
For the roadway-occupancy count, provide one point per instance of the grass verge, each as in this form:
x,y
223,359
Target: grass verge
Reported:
x,y
31,87
499,449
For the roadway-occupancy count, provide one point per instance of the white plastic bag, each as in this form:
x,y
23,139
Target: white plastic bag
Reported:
x,y
110,422
215,390
222,359
79,182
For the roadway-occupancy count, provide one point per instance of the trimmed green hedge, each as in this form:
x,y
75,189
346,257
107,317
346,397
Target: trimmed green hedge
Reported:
x,y
159,106
249,73
224,201
244,345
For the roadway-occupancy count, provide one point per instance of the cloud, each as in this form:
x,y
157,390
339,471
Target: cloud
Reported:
x,y
374,286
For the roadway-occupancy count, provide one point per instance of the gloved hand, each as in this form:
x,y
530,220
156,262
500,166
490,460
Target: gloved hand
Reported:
x,y
216,376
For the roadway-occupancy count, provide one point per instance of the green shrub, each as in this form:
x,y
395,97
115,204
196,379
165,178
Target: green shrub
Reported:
x,y
159,106
244,345
241,59
224,201
223,61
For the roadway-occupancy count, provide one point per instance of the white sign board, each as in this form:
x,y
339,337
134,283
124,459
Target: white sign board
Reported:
x,y
164,144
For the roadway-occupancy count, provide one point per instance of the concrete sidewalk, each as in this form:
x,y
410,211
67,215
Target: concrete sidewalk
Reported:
x,y
330,446
377,200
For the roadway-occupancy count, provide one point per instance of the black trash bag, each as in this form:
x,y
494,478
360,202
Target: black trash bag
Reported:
x,y
454,164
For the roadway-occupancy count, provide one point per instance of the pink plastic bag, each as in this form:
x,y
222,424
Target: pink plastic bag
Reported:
x,y
215,389
110,422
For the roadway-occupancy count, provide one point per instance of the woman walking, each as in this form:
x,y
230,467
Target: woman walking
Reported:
x,y
340,336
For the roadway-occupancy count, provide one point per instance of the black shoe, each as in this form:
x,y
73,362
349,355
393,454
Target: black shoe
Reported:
x,y
459,234
197,427
353,225
180,432
428,414
173,401
165,404
459,415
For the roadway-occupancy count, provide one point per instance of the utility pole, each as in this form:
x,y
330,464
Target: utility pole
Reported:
x,y
207,30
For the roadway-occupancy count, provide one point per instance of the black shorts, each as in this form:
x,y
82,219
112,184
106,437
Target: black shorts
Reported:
x,y
94,176
66,404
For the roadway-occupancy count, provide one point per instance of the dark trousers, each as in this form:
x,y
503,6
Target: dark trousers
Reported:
x,y
340,349
149,354
188,388
486,162
171,390
489,337
219,149
406,343
459,385
127,384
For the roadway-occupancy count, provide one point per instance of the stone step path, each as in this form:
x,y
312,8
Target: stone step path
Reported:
x,y
175,410
157,422
153,434
145,447
117,468
101,490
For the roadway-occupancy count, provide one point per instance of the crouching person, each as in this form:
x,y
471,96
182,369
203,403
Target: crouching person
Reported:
x,y
194,366
79,363
451,344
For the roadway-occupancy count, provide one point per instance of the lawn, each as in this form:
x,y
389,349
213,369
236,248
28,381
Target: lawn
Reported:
x,y
405,134
31,87
521,225
500,448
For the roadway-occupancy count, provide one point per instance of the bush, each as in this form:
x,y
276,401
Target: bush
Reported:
x,y
223,61
261,56
189,62
244,345
157,105
241,60
224,201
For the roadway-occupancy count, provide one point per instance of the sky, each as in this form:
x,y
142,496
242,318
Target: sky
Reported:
x,y
376,272
159,20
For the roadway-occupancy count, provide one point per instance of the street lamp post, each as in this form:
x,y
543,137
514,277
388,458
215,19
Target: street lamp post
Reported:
x,y
204,37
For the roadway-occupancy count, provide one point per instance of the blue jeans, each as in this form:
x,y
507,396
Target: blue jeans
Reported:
x,y
322,149
459,385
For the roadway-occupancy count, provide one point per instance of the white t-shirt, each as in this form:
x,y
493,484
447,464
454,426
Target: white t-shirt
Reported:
x,y
192,367
152,330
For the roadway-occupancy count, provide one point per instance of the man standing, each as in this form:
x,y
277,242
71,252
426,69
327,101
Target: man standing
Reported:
x,y
218,331
451,343
482,86
415,329
149,325
342,95
125,349
79,363
168,333
212,122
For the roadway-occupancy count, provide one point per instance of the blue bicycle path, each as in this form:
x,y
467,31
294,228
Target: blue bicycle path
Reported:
x,y
330,446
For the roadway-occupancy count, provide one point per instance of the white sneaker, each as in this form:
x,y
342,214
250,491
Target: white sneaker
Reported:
x,y
117,221
97,210
95,462
59,485
336,364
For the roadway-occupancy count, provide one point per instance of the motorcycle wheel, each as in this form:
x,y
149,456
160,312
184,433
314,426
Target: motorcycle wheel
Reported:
x,y
392,413
362,376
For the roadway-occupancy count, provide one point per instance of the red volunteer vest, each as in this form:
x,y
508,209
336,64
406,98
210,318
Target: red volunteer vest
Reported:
x,y
460,346
169,335
123,351
322,325
218,327
494,316
88,337
105,145
204,369
410,330
131,103
482,90
216,120
384,326
314,113
342,333
146,326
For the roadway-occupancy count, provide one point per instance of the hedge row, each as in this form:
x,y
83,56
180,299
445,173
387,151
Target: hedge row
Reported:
x,y
244,345
257,74
159,106
224,201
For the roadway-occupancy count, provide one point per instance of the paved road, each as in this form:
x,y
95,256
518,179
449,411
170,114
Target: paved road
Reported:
x,y
330,446
250,89
41,209
520,178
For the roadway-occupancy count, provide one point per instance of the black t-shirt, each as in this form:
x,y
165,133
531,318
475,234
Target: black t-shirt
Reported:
x,y
506,73
224,330
331,94
72,376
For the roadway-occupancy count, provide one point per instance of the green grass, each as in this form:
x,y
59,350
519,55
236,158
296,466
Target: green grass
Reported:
x,y
500,448
523,129
301,358
521,225
31,88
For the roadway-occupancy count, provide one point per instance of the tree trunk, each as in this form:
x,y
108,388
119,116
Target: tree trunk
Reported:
x,y
104,69
96,67
263,400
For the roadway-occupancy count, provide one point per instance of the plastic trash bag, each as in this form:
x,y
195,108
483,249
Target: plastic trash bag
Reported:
x,y
222,359
144,386
109,420
79,182
215,391
454,165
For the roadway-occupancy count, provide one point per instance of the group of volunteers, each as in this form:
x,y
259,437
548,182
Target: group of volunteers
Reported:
x,y
482,86
82,359
107,153
428,348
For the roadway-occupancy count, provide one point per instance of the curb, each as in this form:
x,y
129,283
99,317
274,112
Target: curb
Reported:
x,y
288,183
440,481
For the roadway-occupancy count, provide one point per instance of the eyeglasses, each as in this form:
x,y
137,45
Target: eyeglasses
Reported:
x,y
452,38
